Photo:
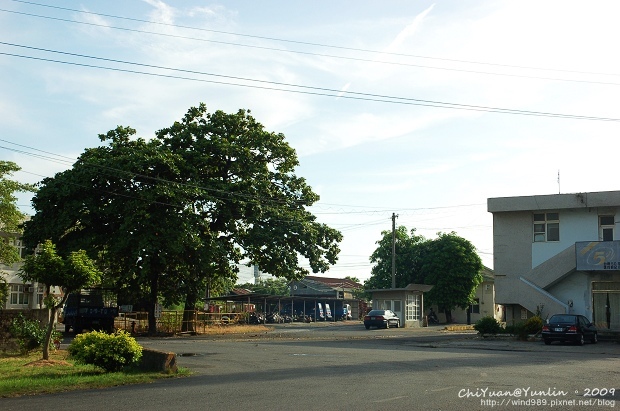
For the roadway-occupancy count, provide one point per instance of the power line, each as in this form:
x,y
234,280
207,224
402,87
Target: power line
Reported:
x,y
219,194
328,55
320,91
282,40
346,227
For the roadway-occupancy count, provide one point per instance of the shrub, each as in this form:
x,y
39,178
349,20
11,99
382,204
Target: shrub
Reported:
x,y
533,325
111,352
488,325
30,333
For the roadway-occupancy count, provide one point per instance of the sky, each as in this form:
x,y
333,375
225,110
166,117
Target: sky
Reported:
x,y
424,109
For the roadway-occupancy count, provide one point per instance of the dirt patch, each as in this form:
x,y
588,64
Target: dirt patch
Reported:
x,y
48,363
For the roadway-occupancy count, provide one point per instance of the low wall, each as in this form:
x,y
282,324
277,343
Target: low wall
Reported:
x,y
7,343
153,360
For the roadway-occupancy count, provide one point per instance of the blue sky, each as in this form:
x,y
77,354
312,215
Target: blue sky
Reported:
x,y
433,166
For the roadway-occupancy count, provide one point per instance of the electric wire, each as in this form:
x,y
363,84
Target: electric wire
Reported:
x,y
402,211
324,92
306,43
324,55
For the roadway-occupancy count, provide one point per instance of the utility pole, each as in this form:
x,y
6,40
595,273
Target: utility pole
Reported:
x,y
394,250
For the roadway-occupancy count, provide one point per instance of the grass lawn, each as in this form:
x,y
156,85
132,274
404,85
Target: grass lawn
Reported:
x,y
27,375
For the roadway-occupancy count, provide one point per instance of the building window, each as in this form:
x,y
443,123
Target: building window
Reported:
x,y
40,295
413,309
17,243
20,247
606,227
546,227
474,308
18,295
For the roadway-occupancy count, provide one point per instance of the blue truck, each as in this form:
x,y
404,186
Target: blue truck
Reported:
x,y
87,310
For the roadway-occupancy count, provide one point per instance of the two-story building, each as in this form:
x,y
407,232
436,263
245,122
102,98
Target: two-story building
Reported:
x,y
558,254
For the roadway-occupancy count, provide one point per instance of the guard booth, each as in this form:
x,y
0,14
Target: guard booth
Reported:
x,y
407,303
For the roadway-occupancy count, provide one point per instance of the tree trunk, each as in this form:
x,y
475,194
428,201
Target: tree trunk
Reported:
x,y
48,334
448,316
188,314
53,311
152,304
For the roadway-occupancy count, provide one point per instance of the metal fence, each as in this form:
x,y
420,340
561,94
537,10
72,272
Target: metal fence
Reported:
x,y
171,322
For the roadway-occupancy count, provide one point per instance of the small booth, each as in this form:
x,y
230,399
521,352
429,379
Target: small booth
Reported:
x,y
407,303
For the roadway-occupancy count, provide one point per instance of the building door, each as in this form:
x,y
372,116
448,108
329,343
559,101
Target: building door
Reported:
x,y
606,305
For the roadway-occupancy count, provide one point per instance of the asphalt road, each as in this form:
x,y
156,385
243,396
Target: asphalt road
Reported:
x,y
345,367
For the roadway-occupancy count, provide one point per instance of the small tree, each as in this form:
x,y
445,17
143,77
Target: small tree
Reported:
x,y
10,216
71,274
10,219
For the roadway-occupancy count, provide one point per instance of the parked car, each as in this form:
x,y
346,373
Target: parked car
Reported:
x,y
569,327
381,319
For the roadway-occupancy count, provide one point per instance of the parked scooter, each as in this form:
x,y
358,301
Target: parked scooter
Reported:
x,y
432,317
256,318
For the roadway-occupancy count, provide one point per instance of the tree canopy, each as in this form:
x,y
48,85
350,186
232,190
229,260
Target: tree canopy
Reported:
x,y
271,286
407,259
449,262
172,216
10,216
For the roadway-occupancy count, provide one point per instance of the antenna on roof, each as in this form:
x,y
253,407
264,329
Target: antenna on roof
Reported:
x,y
559,192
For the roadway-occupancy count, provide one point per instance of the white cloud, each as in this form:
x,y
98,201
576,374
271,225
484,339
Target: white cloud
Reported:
x,y
163,13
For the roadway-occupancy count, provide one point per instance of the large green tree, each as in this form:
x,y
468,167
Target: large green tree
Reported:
x,y
172,216
449,262
406,256
70,273
453,266
248,202
120,203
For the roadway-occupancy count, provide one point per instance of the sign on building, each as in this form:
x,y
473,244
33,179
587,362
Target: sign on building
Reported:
x,y
597,255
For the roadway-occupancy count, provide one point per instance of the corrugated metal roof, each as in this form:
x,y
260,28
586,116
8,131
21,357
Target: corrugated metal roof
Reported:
x,y
335,283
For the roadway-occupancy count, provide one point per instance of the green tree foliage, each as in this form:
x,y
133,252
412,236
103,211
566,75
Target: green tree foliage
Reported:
x,y
30,333
407,259
10,216
271,286
449,262
71,273
172,216
452,265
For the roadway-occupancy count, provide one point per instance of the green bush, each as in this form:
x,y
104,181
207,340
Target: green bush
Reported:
x,y
488,325
111,352
533,325
522,330
30,334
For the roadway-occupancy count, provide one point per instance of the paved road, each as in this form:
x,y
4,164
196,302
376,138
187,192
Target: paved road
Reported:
x,y
345,367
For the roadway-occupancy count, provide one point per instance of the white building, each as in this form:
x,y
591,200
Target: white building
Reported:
x,y
559,254
21,295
